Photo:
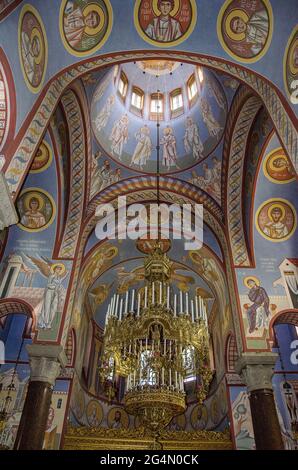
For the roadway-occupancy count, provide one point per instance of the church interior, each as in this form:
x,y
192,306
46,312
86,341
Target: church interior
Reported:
x,y
135,342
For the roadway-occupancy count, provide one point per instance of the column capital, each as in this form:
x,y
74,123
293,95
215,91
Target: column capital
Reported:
x,y
45,362
8,214
256,369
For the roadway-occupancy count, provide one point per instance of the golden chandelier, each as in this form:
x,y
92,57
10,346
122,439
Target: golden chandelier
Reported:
x,y
154,341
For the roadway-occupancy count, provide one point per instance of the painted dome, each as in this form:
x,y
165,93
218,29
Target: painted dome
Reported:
x,y
187,101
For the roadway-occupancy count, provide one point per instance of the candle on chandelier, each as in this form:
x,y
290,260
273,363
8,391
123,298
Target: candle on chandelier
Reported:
x,y
112,305
192,311
175,305
160,293
201,310
162,376
134,378
168,297
153,293
126,302
176,379
132,301
116,308
170,377
181,302
146,293
121,307
186,303
139,304
197,308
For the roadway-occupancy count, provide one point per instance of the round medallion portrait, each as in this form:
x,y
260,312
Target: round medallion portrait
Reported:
x,y
36,209
94,413
165,23
277,167
118,418
276,220
245,29
33,48
199,417
85,25
291,62
42,159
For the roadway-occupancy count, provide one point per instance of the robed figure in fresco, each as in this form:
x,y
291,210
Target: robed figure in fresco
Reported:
x,y
119,135
192,140
169,148
143,148
257,313
164,28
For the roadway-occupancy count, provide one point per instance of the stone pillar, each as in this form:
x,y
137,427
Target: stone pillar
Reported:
x,y
45,363
256,369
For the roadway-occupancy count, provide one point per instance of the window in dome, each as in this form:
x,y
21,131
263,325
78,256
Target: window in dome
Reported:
x,y
192,89
176,100
122,85
137,100
157,106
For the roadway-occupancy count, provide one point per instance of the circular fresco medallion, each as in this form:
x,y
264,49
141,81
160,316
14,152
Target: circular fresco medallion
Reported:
x,y
277,167
276,220
43,158
36,209
118,418
245,29
94,413
85,25
33,48
165,23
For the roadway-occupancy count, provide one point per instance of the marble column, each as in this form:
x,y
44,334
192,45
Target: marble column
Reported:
x,y
8,214
256,370
45,364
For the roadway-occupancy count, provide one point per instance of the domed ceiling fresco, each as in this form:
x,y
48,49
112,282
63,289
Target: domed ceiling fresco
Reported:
x,y
187,137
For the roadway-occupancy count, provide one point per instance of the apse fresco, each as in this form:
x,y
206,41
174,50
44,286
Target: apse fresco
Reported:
x,y
189,139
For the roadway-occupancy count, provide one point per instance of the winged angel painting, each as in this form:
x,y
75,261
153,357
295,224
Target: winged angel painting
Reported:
x,y
54,292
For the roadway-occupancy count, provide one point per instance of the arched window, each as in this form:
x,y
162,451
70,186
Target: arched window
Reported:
x,y
122,85
157,106
192,89
137,101
176,102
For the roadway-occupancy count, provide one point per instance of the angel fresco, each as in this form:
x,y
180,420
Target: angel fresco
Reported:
x,y
55,273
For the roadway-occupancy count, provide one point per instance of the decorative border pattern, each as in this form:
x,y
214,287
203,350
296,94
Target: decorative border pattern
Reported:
x,y
235,178
77,151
